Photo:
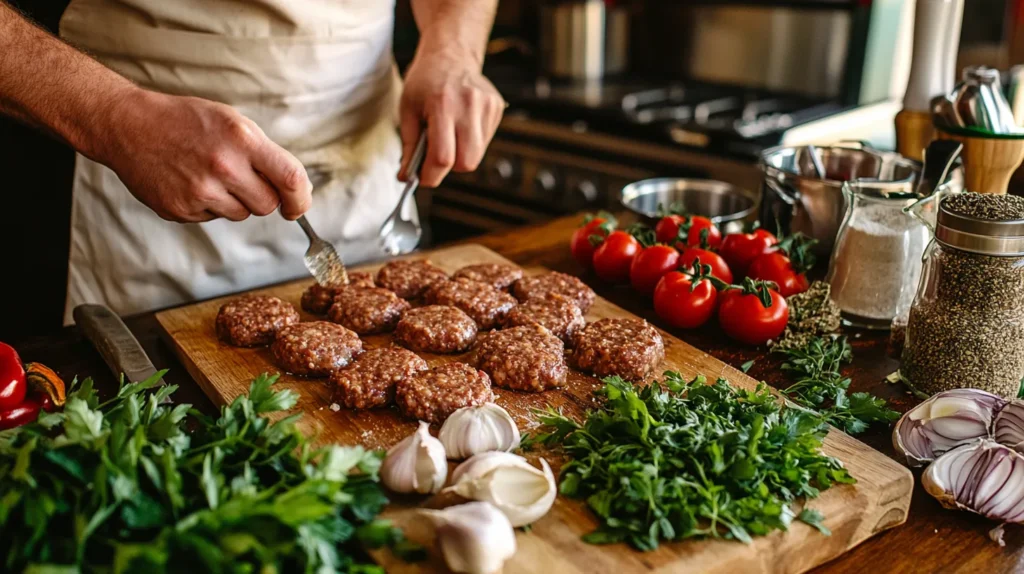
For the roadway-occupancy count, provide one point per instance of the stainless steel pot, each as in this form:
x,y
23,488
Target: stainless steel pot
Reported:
x,y
724,204
801,202
584,39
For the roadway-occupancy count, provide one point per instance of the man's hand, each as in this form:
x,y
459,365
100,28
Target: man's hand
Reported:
x,y
193,160
446,91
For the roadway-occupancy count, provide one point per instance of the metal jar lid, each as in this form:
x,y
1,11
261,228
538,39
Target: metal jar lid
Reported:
x,y
984,236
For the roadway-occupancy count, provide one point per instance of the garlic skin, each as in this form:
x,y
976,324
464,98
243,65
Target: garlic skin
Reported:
x,y
985,477
417,463
475,537
520,490
943,422
482,428
1008,428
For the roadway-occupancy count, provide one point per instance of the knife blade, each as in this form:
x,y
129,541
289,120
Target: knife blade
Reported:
x,y
120,349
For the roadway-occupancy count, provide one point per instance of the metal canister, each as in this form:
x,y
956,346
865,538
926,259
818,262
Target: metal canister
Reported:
x,y
978,101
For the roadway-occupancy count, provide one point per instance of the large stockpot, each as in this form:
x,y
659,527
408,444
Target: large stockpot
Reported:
x,y
584,39
795,199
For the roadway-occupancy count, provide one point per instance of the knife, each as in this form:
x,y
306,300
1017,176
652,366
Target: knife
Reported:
x,y
120,349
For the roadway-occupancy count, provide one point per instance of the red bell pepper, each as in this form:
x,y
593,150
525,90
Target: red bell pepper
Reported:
x,y
26,412
12,378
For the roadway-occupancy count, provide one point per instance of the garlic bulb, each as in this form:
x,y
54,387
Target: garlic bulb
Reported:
x,y
415,464
943,422
520,490
475,538
482,428
1008,427
984,477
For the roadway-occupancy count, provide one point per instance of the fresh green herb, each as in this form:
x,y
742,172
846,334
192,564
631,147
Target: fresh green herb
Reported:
x,y
683,459
821,386
119,486
745,367
815,519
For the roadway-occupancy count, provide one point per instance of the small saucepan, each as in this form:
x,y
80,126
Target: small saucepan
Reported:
x,y
724,204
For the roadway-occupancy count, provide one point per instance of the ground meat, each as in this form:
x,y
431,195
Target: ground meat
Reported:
x,y
485,304
409,279
367,310
527,358
370,380
555,313
317,299
554,282
498,275
253,320
629,348
433,395
436,329
315,349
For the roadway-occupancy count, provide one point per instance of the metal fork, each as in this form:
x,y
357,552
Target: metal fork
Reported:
x,y
321,258
397,234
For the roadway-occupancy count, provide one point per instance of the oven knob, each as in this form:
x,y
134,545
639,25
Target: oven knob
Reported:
x,y
545,181
502,169
587,190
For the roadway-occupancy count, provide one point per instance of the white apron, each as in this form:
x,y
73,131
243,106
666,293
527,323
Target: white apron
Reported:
x,y
316,75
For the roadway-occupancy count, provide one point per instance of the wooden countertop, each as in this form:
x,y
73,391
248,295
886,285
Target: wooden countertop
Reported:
x,y
932,540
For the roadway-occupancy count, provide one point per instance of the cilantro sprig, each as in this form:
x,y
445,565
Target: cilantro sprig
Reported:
x,y
684,459
120,486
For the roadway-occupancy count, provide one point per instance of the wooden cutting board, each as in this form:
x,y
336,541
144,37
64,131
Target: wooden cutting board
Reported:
x,y
879,500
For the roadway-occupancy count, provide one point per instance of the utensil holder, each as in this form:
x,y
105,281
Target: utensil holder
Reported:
x,y
914,131
989,162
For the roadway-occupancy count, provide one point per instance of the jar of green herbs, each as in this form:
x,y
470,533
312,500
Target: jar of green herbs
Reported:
x,y
966,325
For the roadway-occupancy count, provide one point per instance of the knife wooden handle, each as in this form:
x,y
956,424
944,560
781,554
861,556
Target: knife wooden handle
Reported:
x,y
120,349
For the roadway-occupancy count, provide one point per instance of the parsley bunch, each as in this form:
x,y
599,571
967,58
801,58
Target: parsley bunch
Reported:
x,y
678,459
819,385
120,486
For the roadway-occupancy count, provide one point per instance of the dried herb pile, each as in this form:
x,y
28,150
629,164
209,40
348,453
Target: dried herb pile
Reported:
x,y
120,486
683,459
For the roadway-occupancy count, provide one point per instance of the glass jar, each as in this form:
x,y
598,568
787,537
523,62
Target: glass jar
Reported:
x,y
966,325
876,262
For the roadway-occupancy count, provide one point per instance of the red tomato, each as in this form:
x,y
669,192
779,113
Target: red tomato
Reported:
x,y
776,267
745,316
667,229
740,249
719,268
580,245
614,256
683,303
697,225
650,265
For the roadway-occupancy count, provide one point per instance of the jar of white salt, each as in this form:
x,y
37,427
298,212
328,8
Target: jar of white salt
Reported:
x,y
876,262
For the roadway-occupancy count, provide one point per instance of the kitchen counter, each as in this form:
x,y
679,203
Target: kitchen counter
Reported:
x,y
932,540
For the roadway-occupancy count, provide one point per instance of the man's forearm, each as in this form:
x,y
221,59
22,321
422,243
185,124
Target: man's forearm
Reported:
x,y
46,83
458,25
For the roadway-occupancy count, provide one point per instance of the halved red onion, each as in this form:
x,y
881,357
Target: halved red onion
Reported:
x,y
944,422
984,477
1008,428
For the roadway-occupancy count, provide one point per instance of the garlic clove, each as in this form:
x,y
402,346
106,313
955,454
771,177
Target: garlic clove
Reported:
x,y
943,422
1008,427
520,490
417,463
476,429
984,477
475,537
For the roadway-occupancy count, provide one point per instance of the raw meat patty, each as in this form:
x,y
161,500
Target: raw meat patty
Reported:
x,y
433,395
485,304
367,310
409,279
315,349
629,348
498,275
317,299
253,320
436,329
527,358
370,380
539,286
555,313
